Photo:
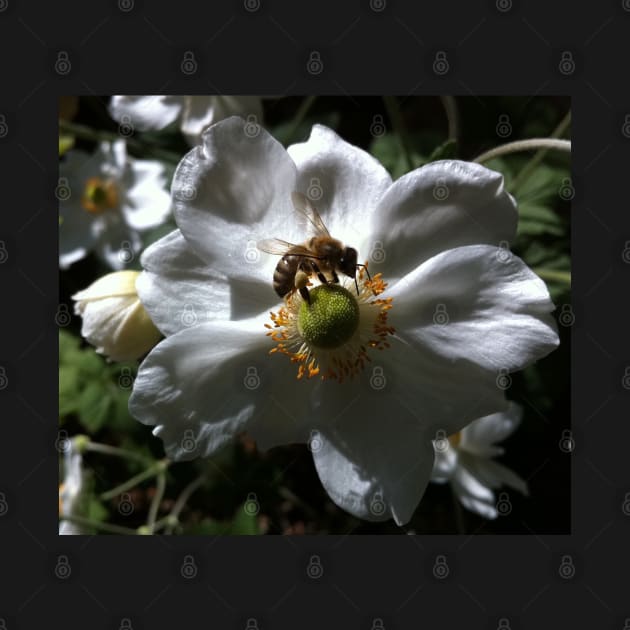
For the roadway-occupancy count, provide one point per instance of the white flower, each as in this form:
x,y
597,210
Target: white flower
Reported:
x,y
104,201
194,113
466,462
114,320
72,490
209,289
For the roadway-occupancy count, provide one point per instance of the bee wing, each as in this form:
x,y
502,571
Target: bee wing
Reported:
x,y
274,246
280,247
308,212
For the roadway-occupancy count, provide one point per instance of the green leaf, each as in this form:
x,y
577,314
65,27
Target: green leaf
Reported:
x,y
244,523
446,151
68,346
66,142
93,405
387,150
68,389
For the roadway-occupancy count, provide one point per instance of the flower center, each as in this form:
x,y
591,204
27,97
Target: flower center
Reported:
x,y
99,195
333,334
330,319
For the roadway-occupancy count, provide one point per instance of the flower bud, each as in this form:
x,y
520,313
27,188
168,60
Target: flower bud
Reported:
x,y
114,320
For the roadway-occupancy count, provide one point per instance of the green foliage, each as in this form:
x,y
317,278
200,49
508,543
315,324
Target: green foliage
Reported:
x,y
90,389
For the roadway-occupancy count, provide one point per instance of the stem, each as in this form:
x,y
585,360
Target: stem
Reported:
x,y
87,133
151,471
300,115
452,115
117,452
105,527
525,145
182,499
155,503
393,111
528,169
554,275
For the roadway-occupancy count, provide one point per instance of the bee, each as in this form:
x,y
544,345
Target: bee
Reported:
x,y
321,254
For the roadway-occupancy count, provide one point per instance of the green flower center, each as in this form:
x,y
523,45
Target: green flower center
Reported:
x,y
331,318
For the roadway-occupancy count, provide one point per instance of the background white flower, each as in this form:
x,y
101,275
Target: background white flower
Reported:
x,y
194,113
375,443
105,200
114,320
466,462
71,491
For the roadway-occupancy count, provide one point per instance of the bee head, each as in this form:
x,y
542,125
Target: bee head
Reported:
x,y
348,262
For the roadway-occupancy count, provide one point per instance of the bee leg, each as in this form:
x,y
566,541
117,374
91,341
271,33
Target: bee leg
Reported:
x,y
368,275
356,284
301,280
306,296
320,275
335,277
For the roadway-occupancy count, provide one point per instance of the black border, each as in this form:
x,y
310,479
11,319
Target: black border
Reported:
x,y
364,51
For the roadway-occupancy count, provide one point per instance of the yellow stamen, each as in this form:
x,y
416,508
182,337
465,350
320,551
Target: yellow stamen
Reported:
x,y
343,362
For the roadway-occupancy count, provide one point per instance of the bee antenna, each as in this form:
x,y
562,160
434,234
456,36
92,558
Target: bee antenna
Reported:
x,y
366,270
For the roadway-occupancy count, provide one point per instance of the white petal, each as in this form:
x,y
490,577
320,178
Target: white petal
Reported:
x,y
146,112
117,245
444,465
343,182
375,460
146,202
473,495
202,111
203,385
497,310
230,192
178,289
415,221
443,394
75,233
480,435
492,474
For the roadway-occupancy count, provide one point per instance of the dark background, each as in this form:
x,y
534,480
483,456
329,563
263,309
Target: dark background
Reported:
x,y
490,51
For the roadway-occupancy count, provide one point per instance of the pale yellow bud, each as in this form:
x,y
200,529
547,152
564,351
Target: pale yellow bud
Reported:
x,y
114,320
